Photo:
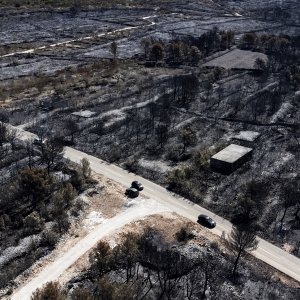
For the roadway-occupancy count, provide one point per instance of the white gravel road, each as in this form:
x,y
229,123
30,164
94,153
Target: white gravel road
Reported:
x,y
160,200
270,254
55,269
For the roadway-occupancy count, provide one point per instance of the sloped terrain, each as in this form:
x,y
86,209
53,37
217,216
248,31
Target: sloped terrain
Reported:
x,y
164,98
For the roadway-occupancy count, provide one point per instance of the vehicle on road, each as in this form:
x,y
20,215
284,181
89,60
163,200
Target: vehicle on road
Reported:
x,y
132,192
137,185
206,221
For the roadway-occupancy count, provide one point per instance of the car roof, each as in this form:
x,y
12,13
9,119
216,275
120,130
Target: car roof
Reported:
x,y
204,216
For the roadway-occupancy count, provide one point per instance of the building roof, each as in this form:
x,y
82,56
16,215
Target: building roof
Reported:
x,y
232,153
84,114
249,136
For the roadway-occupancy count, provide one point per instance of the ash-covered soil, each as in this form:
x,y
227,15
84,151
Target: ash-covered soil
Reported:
x,y
23,31
157,117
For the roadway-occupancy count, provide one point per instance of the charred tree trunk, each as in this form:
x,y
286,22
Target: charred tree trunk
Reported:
x,y
282,219
236,262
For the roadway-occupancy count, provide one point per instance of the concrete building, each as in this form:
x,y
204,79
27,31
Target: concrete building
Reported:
x,y
230,158
246,138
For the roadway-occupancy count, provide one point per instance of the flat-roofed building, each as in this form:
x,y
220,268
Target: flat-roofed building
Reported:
x,y
246,138
230,158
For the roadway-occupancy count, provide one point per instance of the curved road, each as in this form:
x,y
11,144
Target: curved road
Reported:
x,y
52,271
267,252
163,201
160,200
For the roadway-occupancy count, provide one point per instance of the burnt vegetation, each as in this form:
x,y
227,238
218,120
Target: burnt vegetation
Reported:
x,y
147,95
37,203
144,266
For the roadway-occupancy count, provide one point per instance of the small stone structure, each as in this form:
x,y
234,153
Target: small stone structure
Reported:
x,y
230,158
85,114
246,138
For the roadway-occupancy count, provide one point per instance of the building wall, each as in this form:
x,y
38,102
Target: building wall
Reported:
x,y
225,167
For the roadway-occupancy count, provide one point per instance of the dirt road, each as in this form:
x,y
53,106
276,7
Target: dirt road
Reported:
x,y
160,200
150,23
270,254
56,268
